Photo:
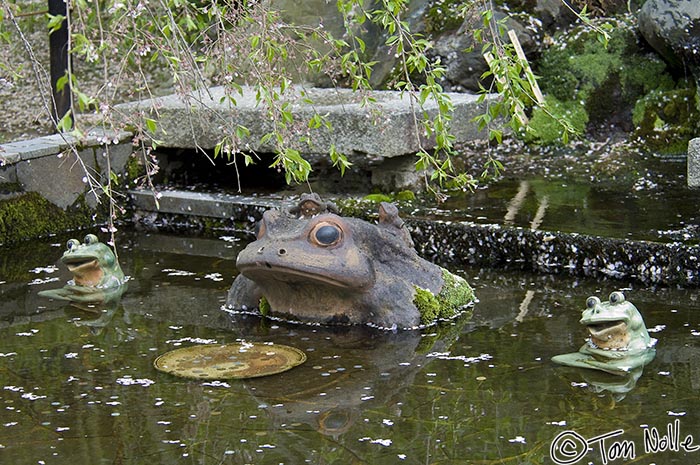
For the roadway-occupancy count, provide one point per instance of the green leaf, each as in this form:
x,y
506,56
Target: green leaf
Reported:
x,y
66,123
55,22
151,125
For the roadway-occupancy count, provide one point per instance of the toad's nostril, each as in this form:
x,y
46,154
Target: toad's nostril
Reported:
x,y
282,252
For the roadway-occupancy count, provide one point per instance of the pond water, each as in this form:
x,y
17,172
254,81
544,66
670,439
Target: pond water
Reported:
x,y
80,387
642,212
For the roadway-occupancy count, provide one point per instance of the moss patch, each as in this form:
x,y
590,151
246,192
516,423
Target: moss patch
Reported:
x,y
264,306
666,120
455,294
30,216
545,129
443,15
605,81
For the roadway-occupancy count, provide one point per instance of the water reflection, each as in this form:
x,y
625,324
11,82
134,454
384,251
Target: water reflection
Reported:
x,y
348,371
483,391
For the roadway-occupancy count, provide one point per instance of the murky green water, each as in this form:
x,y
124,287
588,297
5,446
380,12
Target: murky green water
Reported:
x,y
79,387
642,213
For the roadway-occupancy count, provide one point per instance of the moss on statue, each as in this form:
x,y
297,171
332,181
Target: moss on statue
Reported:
x,y
264,306
30,215
454,295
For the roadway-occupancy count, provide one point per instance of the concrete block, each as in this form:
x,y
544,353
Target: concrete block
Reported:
x,y
694,163
60,178
8,157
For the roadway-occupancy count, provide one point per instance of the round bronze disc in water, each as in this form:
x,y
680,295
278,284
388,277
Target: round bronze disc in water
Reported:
x,y
229,361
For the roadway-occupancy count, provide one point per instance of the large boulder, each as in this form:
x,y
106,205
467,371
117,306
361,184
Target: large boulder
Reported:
x,y
672,28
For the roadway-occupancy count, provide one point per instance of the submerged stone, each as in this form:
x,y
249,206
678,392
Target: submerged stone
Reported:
x,y
319,267
97,276
229,361
618,342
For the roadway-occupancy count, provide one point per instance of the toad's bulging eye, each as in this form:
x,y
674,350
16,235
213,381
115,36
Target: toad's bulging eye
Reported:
x,y
91,239
326,234
591,302
72,244
617,297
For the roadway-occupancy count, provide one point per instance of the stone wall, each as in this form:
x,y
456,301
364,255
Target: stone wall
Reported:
x,y
52,184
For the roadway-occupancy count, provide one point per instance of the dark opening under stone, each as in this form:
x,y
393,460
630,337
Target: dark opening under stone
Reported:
x,y
229,361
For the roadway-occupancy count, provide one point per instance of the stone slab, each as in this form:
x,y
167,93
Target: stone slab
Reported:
x,y
177,202
8,157
57,178
382,130
694,163
14,152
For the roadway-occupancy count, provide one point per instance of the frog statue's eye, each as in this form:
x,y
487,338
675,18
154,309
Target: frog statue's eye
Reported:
x,y
591,302
326,234
91,239
617,297
72,244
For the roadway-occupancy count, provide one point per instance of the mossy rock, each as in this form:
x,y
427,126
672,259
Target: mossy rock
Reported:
x,y
666,120
606,81
455,294
443,16
29,216
544,127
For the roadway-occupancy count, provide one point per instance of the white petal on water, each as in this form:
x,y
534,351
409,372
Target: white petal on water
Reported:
x,y
41,281
217,383
44,269
196,340
172,272
382,442
129,381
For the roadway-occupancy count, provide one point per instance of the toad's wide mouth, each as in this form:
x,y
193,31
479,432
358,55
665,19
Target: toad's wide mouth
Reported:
x,y
78,263
266,270
606,329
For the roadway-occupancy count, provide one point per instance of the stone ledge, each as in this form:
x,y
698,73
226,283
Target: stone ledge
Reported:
x,y
177,202
14,152
471,244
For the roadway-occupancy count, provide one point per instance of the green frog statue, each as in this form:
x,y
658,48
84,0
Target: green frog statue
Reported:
x,y
618,341
314,266
97,276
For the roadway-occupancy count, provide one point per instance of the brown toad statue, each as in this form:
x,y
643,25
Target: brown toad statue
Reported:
x,y
327,269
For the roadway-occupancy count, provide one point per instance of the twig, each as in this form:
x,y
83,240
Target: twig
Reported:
x,y
526,66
